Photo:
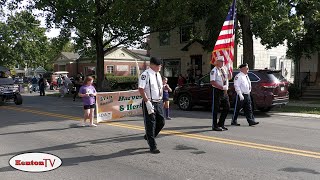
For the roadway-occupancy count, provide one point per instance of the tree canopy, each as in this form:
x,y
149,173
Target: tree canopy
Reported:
x,y
107,24
306,41
101,25
22,41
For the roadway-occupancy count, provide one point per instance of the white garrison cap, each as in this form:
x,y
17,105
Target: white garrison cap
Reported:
x,y
220,58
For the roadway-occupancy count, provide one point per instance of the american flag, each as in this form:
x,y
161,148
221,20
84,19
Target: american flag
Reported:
x,y
225,43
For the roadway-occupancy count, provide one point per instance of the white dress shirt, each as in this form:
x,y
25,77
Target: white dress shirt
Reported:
x,y
242,83
151,82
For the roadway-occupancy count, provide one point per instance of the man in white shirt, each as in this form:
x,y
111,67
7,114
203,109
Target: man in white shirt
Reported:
x,y
219,79
151,89
242,85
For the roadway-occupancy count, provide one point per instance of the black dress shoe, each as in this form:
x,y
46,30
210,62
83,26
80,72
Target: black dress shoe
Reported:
x,y
216,129
235,124
145,137
224,128
254,123
155,151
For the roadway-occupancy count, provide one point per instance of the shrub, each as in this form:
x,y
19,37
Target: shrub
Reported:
x,y
122,82
294,92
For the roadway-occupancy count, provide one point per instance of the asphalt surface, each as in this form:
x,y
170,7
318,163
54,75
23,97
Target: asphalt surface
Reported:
x,y
280,147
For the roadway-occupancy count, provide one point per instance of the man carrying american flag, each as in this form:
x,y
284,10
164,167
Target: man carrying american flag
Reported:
x,y
224,46
222,54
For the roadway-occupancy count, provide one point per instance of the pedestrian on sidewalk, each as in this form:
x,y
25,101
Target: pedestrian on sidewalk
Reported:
x,y
42,85
87,92
76,86
64,87
166,102
34,82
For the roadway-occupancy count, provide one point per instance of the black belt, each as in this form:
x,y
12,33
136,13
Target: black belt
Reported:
x,y
156,100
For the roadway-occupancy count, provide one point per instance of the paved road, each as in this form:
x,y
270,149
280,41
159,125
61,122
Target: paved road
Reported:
x,y
281,147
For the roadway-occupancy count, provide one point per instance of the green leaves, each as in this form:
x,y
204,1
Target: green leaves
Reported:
x,y
22,41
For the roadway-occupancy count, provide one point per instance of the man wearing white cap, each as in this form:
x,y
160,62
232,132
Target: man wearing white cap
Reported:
x,y
219,79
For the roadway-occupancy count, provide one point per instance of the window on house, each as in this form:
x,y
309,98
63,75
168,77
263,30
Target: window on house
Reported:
x,y
164,38
110,69
186,33
133,70
171,67
273,62
17,66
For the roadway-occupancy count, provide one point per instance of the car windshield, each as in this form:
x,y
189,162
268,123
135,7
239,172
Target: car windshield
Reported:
x,y
275,76
278,74
205,79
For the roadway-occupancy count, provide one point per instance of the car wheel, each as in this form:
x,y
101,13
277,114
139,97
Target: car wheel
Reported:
x,y
18,99
184,102
266,109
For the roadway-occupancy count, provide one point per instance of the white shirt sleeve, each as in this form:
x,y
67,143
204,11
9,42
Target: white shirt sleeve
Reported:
x,y
237,83
213,74
143,80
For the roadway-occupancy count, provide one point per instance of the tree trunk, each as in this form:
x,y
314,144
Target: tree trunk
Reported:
x,y
247,37
99,50
100,63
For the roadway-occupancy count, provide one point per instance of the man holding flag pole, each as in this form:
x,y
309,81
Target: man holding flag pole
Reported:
x,y
222,57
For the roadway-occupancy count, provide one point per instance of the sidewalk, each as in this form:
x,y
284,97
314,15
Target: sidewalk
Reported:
x,y
299,103
304,103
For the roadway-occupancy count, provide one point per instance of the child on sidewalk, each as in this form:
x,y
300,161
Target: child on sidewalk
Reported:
x,y
87,92
166,102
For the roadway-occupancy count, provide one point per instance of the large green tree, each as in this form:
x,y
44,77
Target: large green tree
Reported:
x,y
307,40
22,41
107,24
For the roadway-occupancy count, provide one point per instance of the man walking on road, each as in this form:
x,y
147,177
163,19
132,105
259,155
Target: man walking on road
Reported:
x,y
242,85
219,79
151,89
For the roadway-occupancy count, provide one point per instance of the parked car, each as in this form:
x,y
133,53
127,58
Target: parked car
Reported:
x,y
8,90
269,89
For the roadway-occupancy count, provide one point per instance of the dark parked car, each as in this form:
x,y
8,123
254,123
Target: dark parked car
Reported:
x,y
269,89
8,90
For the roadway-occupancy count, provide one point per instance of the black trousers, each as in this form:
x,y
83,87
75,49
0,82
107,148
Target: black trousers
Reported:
x,y
220,101
77,86
246,104
41,89
153,122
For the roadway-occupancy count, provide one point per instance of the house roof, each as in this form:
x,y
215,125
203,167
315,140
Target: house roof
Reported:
x,y
139,54
186,47
71,55
143,54
40,69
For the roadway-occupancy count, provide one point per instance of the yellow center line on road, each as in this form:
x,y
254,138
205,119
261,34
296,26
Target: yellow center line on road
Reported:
x,y
272,148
